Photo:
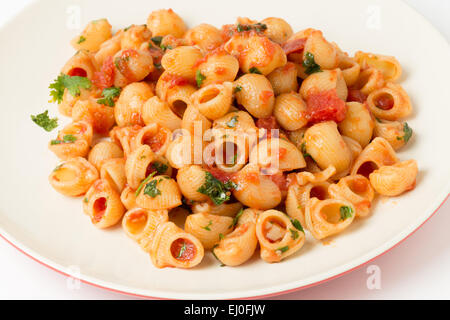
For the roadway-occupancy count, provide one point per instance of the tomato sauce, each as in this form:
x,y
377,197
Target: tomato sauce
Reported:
x,y
99,209
294,46
78,72
266,95
325,106
183,250
355,95
385,102
105,77
280,180
220,175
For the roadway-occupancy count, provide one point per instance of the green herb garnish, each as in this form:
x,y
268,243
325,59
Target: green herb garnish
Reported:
x,y
160,167
215,189
207,227
407,133
212,251
108,96
151,189
232,122
303,147
237,89
283,249
294,233
182,250
297,225
157,40
310,64
72,84
44,121
138,190
68,138
254,70
199,78
236,218
81,40
346,212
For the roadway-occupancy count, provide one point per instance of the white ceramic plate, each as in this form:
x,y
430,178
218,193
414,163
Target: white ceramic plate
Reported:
x,y
53,230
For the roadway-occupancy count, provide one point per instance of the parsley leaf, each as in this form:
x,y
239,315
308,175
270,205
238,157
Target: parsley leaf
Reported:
x,y
237,89
81,40
72,84
215,189
160,167
297,225
346,212
182,250
236,218
44,121
310,64
305,154
68,138
212,251
407,133
151,189
254,70
258,27
166,47
207,227
138,190
108,96
294,233
232,122
221,236
283,249
157,40
199,78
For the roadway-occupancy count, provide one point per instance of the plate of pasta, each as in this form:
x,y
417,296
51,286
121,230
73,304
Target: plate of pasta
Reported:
x,y
243,152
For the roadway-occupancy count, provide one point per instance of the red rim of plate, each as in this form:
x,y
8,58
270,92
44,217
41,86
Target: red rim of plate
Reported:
x,y
251,297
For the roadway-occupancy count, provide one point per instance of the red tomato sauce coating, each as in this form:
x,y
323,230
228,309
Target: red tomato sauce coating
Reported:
x,y
105,77
79,72
355,95
325,106
294,46
183,250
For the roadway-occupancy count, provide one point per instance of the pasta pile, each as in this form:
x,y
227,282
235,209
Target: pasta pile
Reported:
x,y
226,139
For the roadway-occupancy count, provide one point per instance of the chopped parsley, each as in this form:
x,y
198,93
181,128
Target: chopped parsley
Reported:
x,y
58,167
254,70
72,84
81,40
68,138
207,227
407,133
283,249
44,121
297,225
232,122
138,190
221,236
305,154
157,40
212,251
294,233
108,96
166,47
86,200
199,78
215,189
236,218
182,250
158,66
310,64
346,212
237,89
258,27
128,28
160,167
151,189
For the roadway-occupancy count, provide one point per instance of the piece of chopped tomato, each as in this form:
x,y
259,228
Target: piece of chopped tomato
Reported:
x,y
105,77
294,46
355,95
325,106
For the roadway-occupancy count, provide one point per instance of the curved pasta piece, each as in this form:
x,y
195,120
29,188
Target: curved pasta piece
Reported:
x,y
358,123
128,108
172,247
290,111
94,34
395,179
256,96
134,36
224,209
113,171
277,236
159,193
327,80
305,177
195,122
350,70
277,153
325,54
128,198
387,65
217,67
72,141
395,132
325,218
326,146
278,30
205,36
181,61
140,225
208,228
369,80
104,150
284,79
376,154
81,64
102,204
125,137
214,101
155,136
298,197
139,165
132,66
166,22
158,111
101,117
256,190
74,177
189,180
357,190
185,150
390,102
230,152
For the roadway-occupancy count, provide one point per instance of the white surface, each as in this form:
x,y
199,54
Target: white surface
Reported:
x,y
404,269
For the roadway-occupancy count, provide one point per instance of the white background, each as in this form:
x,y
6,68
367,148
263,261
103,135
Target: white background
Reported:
x,y
418,268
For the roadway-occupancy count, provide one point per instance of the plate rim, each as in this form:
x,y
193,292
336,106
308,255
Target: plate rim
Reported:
x,y
267,292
